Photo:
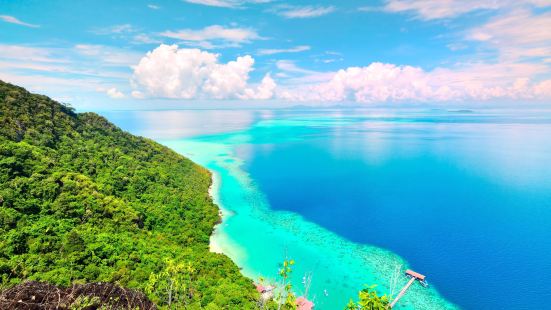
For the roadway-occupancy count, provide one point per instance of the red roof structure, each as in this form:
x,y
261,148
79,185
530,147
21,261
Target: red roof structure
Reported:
x,y
304,304
260,288
415,274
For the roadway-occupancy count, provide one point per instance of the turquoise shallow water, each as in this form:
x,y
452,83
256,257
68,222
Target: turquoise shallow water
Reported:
x,y
258,238
462,197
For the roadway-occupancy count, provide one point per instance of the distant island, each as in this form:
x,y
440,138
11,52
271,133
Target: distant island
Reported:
x,y
461,111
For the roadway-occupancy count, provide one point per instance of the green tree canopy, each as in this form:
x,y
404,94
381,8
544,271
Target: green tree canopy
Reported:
x,y
83,201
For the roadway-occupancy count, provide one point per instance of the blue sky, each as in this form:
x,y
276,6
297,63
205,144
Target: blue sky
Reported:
x,y
94,54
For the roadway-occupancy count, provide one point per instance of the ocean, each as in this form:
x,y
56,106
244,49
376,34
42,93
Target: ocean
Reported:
x,y
356,196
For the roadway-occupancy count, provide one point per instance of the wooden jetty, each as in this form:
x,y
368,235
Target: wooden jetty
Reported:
x,y
414,276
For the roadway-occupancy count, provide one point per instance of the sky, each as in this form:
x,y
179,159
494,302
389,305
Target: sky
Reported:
x,y
145,54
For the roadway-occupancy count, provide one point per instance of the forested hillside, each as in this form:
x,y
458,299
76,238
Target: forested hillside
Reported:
x,y
83,201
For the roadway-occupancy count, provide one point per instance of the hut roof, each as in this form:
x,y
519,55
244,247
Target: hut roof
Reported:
x,y
304,304
260,288
415,274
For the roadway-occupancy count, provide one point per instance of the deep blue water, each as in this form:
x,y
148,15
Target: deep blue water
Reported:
x,y
465,198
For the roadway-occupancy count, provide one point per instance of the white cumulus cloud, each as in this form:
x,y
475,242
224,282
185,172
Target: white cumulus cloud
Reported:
x,y
380,82
180,73
115,93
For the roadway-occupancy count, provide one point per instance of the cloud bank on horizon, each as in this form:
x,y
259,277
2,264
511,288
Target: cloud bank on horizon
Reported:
x,y
426,51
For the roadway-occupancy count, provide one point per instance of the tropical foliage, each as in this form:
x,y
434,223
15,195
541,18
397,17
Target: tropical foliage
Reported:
x,y
368,299
83,201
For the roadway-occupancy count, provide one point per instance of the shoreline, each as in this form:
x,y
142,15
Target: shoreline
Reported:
x,y
218,241
257,239
214,195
